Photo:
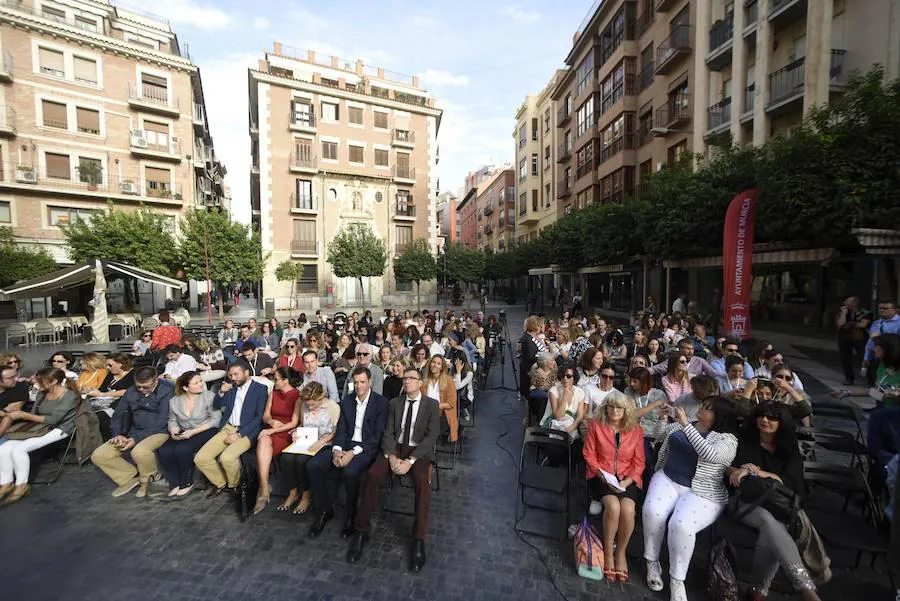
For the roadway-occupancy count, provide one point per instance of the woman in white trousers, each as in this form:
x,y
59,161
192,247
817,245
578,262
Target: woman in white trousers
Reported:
x,y
687,493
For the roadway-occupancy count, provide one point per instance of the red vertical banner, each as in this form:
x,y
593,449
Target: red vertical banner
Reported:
x,y
737,262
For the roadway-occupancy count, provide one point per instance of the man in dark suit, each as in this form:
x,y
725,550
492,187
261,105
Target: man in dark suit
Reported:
x,y
356,444
243,402
407,447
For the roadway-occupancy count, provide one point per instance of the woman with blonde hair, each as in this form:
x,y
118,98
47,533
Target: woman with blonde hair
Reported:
x,y
93,372
393,378
316,411
614,454
437,384
314,343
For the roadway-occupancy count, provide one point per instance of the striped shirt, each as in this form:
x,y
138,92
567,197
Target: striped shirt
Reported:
x,y
714,454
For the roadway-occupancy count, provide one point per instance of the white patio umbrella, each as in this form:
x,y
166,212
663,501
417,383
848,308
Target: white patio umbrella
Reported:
x,y
100,323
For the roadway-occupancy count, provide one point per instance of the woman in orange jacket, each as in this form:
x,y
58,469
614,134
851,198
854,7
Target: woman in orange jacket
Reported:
x,y
614,454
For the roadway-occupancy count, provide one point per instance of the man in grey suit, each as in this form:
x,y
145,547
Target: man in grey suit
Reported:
x,y
407,447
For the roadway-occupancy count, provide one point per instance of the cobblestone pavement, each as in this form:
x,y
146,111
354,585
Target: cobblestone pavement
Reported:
x,y
73,541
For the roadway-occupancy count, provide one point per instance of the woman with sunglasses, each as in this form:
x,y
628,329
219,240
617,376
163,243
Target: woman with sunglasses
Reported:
x,y
142,346
687,493
797,401
291,357
677,380
291,332
64,360
768,450
314,343
565,405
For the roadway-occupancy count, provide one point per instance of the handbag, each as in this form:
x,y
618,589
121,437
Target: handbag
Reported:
x,y
588,551
771,495
23,430
722,582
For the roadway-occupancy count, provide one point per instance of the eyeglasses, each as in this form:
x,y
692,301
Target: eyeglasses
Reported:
x,y
147,336
732,349
608,376
13,362
784,377
568,376
772,417
362,354
683,361
291,345
58,361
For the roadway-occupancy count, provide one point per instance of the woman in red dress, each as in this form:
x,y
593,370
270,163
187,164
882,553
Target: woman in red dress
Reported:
x,y
290,356
282,415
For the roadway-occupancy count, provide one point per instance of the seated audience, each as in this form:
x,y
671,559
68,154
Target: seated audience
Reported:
x,y
228,335
177,362
93,372
260,364
733,381
282,416
730,347
13,395
565,407
393,379
65,361
138,425
119,377
141,346
242,401
437,384
589,367
406,447
316,411
51,420
596,395
165,334
614,447
687,491
419,354
364,356
212,364
702,387
463,378
291,357
677,381
193,420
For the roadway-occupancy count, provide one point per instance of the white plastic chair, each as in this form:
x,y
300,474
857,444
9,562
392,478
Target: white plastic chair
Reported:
x,y
17,330
46,329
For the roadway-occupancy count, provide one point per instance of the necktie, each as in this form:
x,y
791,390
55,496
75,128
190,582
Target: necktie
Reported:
x,y
407,424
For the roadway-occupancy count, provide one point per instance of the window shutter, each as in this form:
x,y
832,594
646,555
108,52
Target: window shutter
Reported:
x,y
55,112
160,128
51,59
154,174
85,69
88,120
58,166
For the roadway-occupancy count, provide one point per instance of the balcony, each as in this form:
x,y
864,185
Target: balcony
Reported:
x,y
786,86
488,209
199,158
528,217
645,77
404,174
676,112
303,122
673,49
6,67
563,115
305,248
721,41
664,5
784,12
404,138
563,153
153,99
304,204
143,146
404,210
199,115
718,117
749,103
643,133
400,247
488,228
8,125
644,22
303,164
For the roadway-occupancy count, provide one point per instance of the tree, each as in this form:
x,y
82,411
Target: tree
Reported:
x,y
415,264
289,271
461,264
20,262
233,250
356,252
140,238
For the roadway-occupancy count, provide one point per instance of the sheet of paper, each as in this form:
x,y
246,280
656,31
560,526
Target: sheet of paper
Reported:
x,y
306,437
612,481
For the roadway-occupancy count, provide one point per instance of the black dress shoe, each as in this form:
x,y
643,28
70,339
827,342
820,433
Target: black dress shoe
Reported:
x,y
215,492
359,540
319,525
348,530
417,557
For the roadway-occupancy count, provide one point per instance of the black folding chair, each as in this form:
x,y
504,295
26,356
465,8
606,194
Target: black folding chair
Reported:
x,y
58,452
545,479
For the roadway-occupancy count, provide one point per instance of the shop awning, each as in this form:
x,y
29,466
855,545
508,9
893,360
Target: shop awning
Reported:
x,y
780,257
548,270
82,273
602,269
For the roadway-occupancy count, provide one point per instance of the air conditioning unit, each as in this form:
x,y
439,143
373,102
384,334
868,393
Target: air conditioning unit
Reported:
x,y
138,140
26,175
128,188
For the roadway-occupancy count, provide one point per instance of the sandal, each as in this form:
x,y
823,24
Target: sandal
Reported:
x,y
261,503
622,575
610,575
286,506
17,495
302,508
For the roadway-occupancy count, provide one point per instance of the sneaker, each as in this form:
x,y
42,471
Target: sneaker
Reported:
x,y
126,488
142,490
654,576
677,591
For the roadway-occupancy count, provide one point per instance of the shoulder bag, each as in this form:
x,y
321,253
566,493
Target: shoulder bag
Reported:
x,y
770,494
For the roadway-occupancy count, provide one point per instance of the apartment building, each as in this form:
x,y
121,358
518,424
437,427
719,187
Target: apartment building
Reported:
x,y
98,103
624,104
763,64
495,211
447,222
335,142
535,139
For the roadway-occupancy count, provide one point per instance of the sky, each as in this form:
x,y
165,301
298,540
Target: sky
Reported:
x,y
478,58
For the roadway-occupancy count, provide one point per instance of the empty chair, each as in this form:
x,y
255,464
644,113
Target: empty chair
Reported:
x,y
544,480
44,329
149,323
17,330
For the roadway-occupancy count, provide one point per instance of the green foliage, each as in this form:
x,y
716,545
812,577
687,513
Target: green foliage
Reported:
x,y
20,262
356,252
289,271
460,264
234,249
416,264
139,238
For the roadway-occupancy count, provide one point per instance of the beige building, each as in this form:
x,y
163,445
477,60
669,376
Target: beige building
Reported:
x,y
535,138
762,64
97,103
336,142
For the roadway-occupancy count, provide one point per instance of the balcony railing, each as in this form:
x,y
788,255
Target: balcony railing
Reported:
x,y
141,141
563,152
488,208
400,247
563,115
303,202
644,21
749,98
523,208
303,162
404,136
787,82
305,247
154,96
645,77
676,45
489,228
625,141
836,74
404,172
721,32
77,183
307,120
719,114
404,209
676,110
563,189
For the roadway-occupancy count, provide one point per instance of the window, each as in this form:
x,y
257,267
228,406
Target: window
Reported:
x,y
303,113
356,154
58,166
55,114
86,23
584,118
547,120
304,194
90,171
645,124
85,70
157,135
584,160
620,28
404,237
54,14
534,164
546,157
381,120
88,121
355,115
568,140
676,152
617,136
65,215
304,236
5,212
523,168
52,62
382,157
523,203
523,136
308,282
154,88
534,128
159,182
303,154
403,286
403,168
617,185
330,151
548,199
619,83
535,204
330,111
584,73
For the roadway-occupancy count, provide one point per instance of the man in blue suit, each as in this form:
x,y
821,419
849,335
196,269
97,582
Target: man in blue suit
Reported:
x,y
356,443
243,402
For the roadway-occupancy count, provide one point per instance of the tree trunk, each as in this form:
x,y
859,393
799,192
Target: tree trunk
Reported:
x,y
293,285
418,299
362,292
222,302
